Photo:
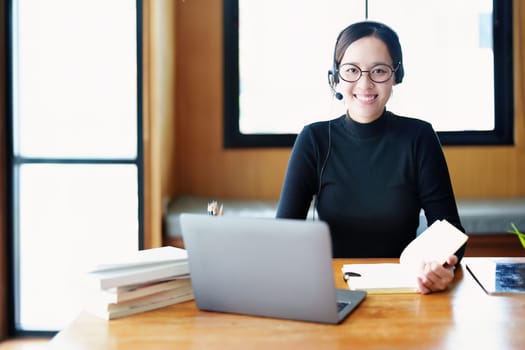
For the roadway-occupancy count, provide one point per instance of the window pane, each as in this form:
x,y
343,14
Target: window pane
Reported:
x,y
75,99
448,58
76,78
285,52
71,217
447,47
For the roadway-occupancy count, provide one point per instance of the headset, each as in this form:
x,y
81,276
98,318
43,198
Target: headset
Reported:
x,y
399,71
333,74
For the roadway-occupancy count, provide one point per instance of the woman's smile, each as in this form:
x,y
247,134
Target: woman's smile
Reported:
x,y
366,99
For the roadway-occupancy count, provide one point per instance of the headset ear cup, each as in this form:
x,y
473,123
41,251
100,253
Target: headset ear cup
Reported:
x,y
331,78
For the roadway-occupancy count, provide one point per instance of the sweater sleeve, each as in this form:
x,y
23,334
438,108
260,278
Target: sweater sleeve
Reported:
x,y
435,187
301,179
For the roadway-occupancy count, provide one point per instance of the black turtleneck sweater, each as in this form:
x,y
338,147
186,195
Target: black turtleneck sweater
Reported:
x,y
371,181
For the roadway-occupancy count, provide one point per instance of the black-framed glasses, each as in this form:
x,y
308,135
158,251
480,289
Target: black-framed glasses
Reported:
x,y
379,73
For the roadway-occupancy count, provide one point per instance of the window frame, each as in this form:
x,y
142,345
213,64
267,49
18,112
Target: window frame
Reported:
x,y
503,133
14,162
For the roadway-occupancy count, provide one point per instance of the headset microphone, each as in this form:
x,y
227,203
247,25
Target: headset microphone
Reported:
x,y
338,95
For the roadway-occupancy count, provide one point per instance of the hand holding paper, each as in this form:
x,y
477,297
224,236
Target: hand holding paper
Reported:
x,y
435,276
437,243
426,264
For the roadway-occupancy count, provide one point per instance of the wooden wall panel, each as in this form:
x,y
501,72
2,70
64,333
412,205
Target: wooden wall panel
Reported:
x,y
203,167
158,113
519,86
482,171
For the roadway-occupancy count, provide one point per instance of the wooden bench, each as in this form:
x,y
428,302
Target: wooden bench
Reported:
x,y
486,221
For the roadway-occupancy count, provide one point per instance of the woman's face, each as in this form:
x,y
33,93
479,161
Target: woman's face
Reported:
x,y
365,99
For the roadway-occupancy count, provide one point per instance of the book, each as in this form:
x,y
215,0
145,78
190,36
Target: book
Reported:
x,y
144,258
116,278
146,280
142,267
436,243
135,291
110,311
498,276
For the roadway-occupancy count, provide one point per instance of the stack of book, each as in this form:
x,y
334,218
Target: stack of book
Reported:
x,y
147,280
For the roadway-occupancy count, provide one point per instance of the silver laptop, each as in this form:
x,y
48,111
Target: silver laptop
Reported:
x,y
277,268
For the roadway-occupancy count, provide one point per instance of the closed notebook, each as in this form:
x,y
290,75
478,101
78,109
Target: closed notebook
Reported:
x,y
436,243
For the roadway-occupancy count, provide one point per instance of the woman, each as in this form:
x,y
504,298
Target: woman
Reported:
x,y
371,171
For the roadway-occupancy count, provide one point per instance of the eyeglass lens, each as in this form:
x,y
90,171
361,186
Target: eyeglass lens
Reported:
x,y
379,74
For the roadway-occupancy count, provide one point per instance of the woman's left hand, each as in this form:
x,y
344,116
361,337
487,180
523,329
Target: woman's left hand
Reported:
x,y
435,277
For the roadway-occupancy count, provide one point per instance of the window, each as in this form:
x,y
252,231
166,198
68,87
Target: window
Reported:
x,y
76,168
275,68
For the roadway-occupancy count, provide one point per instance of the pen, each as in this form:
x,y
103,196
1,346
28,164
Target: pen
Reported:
x,y
214,209
347,275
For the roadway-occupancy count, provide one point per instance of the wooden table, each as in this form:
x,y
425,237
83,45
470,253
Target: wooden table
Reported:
x,y
463,317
